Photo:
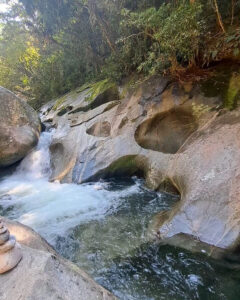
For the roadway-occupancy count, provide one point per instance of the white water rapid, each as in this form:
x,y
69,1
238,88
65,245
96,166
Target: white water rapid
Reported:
x,y
52,208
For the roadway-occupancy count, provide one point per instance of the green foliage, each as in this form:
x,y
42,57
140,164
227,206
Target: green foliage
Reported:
x,y
165,37
50,47
233,92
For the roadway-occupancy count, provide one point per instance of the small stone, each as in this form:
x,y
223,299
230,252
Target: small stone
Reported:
x,y
4,237
10,252
10,259
3,230
8,245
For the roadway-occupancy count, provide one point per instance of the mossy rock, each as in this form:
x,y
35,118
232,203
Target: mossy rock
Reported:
x,y
101,87
98,94
233,92
84,87
225,84
59,102
93,95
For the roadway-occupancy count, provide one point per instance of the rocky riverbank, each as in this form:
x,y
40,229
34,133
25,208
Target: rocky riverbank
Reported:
x,y
180,139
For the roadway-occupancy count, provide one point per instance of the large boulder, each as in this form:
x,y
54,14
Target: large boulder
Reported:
x,y
152,121
207,172
19,129
179,140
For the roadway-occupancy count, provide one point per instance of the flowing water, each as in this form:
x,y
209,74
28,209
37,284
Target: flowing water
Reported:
x,y
104,228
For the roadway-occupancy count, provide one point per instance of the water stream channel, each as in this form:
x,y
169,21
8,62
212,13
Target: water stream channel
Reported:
x,y
104,228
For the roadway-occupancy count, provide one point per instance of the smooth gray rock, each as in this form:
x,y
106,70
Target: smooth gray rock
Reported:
x,y
156,132
207,173
19,128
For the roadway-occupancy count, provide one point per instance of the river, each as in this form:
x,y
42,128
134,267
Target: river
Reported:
x,y
104,228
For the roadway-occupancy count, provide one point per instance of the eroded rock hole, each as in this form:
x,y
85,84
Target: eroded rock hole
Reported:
x,y
124,167
166,132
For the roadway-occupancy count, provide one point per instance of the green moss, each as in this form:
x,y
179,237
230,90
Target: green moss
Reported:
x,y
233,92
94,90
84,87
225,84
98,88
132,83
59,102
199,110
123,165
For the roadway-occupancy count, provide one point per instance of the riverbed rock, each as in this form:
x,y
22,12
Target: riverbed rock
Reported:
x,y
43,274
19,130
125,137
207,171
178,139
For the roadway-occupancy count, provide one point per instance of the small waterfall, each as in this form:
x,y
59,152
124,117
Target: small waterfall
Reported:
x,y
37,163
52,208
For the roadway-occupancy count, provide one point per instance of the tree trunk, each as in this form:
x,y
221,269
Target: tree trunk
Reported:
x,y
219,16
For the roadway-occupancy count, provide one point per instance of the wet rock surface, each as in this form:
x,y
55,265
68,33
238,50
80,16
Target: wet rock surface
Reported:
x,y
19,130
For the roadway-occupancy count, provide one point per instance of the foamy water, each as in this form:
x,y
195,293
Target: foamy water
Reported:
x,y
53,208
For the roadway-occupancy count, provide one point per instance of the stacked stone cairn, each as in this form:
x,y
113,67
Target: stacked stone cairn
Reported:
x,y
10,250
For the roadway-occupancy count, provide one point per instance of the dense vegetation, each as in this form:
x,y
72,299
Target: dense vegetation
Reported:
x,y
48,47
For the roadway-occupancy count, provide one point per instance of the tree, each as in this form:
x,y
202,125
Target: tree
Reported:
x,y
219,17
49,47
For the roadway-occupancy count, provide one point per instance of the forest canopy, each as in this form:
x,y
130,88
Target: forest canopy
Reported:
x,y
48,47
